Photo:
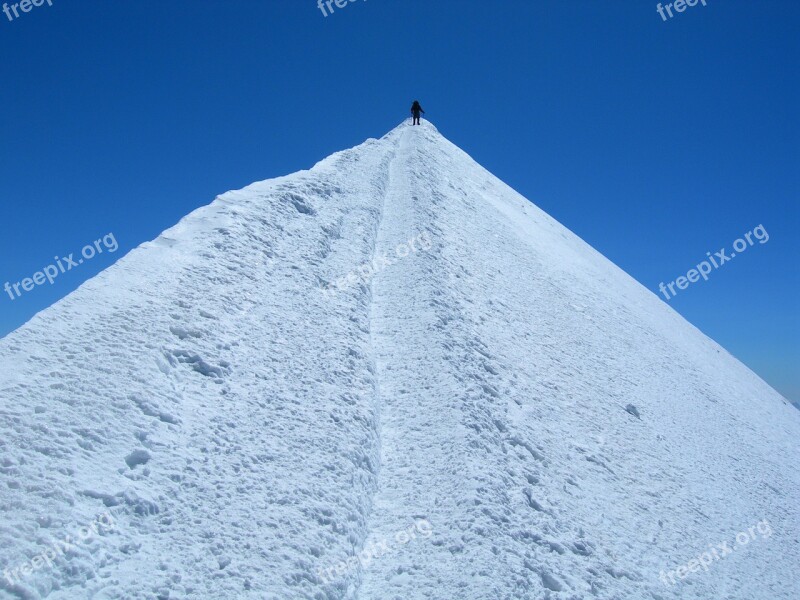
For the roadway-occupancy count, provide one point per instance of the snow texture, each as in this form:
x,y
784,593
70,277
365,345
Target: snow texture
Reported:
x,y
387,377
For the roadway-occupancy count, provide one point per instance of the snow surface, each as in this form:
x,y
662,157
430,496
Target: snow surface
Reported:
x,y
244,420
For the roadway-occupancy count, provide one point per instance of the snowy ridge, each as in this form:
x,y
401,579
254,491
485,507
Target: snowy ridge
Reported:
x,y
253,428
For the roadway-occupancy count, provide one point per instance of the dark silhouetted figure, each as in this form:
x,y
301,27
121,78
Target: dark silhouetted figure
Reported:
x,y
416,109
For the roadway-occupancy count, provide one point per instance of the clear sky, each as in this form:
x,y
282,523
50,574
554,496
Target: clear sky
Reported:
x,y
656,141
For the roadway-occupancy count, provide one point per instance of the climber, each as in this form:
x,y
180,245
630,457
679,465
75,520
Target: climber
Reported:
x,y
415,110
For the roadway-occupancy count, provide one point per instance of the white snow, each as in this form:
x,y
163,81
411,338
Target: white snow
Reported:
x,y
457,420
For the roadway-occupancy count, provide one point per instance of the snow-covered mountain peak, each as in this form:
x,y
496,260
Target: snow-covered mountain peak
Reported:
x,y
389,376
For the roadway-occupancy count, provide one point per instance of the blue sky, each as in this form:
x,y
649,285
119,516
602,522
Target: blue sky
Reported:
x,y
656,141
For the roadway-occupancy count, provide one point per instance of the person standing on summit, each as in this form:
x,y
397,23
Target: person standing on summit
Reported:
x,y
415,110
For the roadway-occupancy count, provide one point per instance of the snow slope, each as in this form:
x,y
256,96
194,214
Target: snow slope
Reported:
x,y
232,416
